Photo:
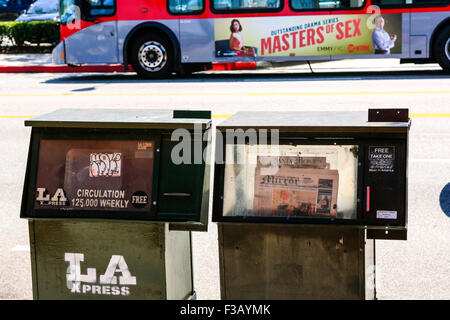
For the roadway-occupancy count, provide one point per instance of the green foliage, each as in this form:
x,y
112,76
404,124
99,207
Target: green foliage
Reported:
x,y
3,33
29,31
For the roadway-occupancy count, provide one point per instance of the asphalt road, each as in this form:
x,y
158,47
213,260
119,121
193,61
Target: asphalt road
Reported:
x,y
418,268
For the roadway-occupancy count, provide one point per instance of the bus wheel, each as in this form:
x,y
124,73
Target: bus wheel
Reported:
x,y
442,49
152,56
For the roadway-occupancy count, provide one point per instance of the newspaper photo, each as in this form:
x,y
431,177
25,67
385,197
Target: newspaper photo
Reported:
x,y
300,187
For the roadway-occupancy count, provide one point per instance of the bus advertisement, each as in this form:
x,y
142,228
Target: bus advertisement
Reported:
x,y
158,38
311,36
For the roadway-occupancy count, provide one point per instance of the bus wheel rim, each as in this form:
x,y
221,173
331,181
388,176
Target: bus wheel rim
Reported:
x,y
447,48
152,56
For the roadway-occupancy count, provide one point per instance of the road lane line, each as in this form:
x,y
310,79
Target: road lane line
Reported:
x,y
430,115
224,116
221,116
411,115
16,117
357,93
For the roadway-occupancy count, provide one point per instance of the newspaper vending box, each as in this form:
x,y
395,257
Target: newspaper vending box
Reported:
x,y
298,195
111,203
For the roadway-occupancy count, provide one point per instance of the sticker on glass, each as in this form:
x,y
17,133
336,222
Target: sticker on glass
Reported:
x,y
139,199
383,214
105,165
144,145
381,159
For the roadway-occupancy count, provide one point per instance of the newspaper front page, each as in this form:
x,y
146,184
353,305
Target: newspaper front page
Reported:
x,y
302,186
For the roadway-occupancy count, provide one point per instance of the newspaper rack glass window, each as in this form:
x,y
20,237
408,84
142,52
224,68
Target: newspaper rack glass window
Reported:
x,y
314,181
117,165
103,175
325,168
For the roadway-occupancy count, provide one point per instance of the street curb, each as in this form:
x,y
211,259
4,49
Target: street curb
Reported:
x,y
110,68
234,66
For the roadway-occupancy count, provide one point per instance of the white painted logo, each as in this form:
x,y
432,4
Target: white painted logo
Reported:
x,y
58,199
108,283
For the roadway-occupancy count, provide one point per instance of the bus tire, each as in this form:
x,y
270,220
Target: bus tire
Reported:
x,y
152,56
442,49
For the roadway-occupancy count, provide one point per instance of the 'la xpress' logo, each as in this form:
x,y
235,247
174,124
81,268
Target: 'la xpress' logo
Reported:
x,y
107,284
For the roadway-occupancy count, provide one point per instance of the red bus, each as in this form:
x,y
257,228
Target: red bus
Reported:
x,y
161,37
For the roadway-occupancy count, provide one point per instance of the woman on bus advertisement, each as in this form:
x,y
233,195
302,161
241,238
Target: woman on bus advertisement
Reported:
x,y
237,41
312,35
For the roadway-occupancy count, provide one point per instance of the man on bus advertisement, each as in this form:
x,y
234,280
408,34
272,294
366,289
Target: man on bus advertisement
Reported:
x,y
308,35
382,41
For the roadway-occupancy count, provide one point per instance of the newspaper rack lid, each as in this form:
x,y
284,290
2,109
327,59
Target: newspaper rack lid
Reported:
x,y
122,118
312,121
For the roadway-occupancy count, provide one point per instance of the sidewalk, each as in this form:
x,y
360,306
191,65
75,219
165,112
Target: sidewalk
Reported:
x,y
346,65
42,63
16,63
29,59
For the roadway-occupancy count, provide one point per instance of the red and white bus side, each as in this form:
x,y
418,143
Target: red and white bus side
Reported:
x,y
161,37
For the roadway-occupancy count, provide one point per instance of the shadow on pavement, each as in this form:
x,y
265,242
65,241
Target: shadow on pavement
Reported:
x,y
253,77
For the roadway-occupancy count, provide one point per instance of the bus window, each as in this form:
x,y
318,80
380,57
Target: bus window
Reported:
x,y
101,8
401,3
185,6
388,2
224,5
428,2
325,4
68,12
